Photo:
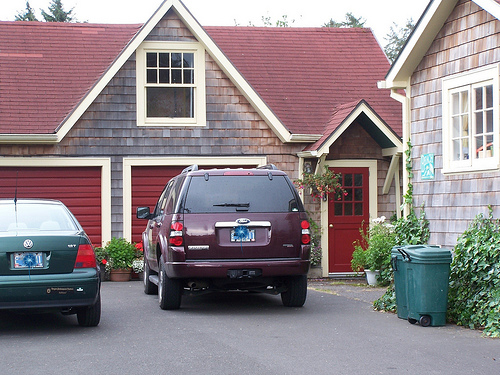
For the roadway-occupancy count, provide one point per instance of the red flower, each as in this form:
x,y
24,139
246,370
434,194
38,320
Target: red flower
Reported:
x,y
104,261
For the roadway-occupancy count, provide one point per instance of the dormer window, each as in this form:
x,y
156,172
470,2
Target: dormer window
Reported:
x,y
170,84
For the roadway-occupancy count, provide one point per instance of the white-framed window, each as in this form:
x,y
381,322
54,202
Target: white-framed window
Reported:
x,y
470,121
170,84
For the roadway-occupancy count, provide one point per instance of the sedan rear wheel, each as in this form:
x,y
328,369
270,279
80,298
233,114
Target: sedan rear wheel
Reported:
x,y
169,290
90,316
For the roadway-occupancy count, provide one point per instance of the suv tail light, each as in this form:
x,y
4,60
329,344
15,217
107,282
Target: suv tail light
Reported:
x,y
85,258
176,236
306,233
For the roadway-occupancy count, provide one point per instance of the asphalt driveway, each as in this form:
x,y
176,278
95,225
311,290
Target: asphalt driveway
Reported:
x,y
336,332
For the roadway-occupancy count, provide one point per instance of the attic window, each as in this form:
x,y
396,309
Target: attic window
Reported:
x,y
170,84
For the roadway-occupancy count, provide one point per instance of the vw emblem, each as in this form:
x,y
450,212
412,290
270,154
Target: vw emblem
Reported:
x,y
242,221
28,244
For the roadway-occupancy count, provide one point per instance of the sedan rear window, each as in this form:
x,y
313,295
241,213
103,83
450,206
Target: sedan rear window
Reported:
x,y
34,216
240,193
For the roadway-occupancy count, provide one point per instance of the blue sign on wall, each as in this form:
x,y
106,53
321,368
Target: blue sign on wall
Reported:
x,y
427,167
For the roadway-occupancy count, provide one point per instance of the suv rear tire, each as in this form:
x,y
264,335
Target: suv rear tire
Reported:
x,y
296,293
169,290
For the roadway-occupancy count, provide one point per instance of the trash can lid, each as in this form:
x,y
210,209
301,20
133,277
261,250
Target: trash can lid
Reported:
x,y
423,253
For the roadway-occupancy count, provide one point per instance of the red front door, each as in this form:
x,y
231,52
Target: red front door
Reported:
x,y
345,217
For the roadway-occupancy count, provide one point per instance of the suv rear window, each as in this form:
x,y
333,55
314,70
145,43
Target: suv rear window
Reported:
x,y
240,193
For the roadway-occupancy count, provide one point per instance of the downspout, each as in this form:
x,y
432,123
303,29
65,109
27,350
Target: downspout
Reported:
x,y
405,101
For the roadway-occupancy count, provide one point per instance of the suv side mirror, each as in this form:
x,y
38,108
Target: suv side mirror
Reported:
x,y
143,213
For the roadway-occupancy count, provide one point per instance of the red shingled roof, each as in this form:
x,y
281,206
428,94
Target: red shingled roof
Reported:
x,y
46,68
303,74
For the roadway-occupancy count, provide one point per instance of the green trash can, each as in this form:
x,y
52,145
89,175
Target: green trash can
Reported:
x,y
421,277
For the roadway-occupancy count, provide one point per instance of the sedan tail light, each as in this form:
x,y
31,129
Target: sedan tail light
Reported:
x,y
306,233
85,257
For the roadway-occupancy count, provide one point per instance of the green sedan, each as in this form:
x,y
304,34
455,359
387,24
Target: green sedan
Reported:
x,y
47,262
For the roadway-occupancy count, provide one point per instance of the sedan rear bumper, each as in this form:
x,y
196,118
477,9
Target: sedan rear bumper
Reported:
x,y
80,288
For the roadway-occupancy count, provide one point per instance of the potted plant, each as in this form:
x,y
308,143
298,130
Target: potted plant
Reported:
x,y
373,252
321,185
121,254
101,258
138,262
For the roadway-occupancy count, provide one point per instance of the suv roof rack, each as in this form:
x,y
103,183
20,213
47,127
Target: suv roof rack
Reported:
x,y
268,166
191,168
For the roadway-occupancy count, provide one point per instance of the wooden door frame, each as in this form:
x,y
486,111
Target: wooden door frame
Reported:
x,y
373,201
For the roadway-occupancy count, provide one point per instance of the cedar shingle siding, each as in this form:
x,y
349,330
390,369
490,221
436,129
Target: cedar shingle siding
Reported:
x,y
468,39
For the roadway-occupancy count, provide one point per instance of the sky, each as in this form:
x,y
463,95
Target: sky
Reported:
x,y
379,14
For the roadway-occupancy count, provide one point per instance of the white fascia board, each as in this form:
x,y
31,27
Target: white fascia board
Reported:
x,y
300,138
85,103
362,108
420,40
490,6
28,138
192,24
234,75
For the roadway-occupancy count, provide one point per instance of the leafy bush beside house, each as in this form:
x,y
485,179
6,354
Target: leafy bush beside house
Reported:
x,y
474,293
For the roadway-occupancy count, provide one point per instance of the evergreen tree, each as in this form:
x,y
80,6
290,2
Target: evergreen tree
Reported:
x,y
27,15
350,21
56,13
396,39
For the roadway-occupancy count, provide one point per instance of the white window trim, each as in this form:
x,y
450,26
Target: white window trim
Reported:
x,y
200,98
489,75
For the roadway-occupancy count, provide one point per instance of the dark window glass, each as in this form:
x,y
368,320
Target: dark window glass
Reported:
x,y
151,76
348,209
358,179
176,61
170,102
188,76
164,76
188,60
338,209
240,194
164,60
358,195
151,60
348,179
358,209
176,76
348,195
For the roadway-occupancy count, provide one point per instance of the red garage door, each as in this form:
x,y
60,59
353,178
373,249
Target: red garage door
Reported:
x,y
79,188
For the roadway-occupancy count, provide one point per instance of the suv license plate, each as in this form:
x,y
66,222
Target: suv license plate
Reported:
x,y
28,260
250,237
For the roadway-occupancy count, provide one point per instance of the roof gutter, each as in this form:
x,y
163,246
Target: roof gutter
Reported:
x,y
29,138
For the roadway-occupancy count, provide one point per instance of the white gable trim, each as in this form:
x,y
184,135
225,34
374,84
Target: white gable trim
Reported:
x,y
361,108
428,26
250,94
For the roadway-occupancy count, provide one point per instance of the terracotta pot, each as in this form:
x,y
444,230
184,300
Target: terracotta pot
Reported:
x,y
120,275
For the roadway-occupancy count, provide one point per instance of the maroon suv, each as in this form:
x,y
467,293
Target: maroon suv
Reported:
x,y
227,229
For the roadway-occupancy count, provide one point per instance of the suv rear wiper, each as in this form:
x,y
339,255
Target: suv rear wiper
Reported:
x,y
232,205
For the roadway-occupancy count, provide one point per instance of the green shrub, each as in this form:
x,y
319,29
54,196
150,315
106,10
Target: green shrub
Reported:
x,y
121,253
373,251
474,294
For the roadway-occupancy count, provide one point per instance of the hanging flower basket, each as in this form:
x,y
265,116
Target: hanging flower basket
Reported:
x,y
322,185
